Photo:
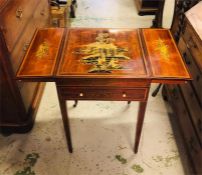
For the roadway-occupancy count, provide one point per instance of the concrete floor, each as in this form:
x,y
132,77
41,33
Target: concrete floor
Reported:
x,y
102,132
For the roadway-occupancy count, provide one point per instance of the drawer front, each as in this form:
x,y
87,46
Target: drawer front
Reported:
x,y
39,19
14,18
185,123
82,93
19,51
194,70
193,44
41,15
194,108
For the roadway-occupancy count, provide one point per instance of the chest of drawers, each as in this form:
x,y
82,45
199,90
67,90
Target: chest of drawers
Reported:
x,y
186,99
18,22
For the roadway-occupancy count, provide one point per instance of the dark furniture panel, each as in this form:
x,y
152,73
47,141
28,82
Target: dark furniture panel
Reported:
x,y
19,101
186,100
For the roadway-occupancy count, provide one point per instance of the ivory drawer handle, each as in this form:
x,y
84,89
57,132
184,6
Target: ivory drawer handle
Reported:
x,y
19,13
124,95
81,94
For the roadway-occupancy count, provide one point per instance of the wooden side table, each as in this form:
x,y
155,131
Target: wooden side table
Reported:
x,y
103,64
107,90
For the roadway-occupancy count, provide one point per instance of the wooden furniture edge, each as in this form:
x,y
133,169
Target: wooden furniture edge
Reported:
x,y
26,126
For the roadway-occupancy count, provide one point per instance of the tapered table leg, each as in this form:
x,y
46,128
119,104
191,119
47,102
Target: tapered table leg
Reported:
x,y
140,120
65,120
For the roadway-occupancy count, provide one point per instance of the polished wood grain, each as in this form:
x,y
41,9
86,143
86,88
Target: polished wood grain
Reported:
x,y
137,58
162,61
104,93
107,82
43,63
15,14
18,22
163,55
71,64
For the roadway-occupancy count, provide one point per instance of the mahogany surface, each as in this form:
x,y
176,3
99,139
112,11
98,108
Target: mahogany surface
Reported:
x,y
163,54
43,64
152,52
126,38
16,14
103,64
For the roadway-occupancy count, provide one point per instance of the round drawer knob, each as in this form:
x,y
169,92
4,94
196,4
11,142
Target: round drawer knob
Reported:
x,y
81,94
124,95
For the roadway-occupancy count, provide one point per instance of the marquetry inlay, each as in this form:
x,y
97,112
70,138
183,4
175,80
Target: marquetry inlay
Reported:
x,y
103,54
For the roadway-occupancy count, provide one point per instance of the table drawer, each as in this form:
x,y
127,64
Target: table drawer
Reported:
x,y
16,15
82,93
193,44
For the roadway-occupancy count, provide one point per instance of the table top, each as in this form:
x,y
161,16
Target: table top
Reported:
x,y
102,53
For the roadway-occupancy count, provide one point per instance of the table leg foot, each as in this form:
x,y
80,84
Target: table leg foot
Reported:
x,y
129,102
140,120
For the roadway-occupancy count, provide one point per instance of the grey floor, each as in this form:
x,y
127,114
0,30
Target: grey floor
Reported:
x,y
102,132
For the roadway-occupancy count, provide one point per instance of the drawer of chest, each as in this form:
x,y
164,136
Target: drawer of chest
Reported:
x,y
14,18
88,93
194,108
193,43
194,70
20,49
41,14
183,117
